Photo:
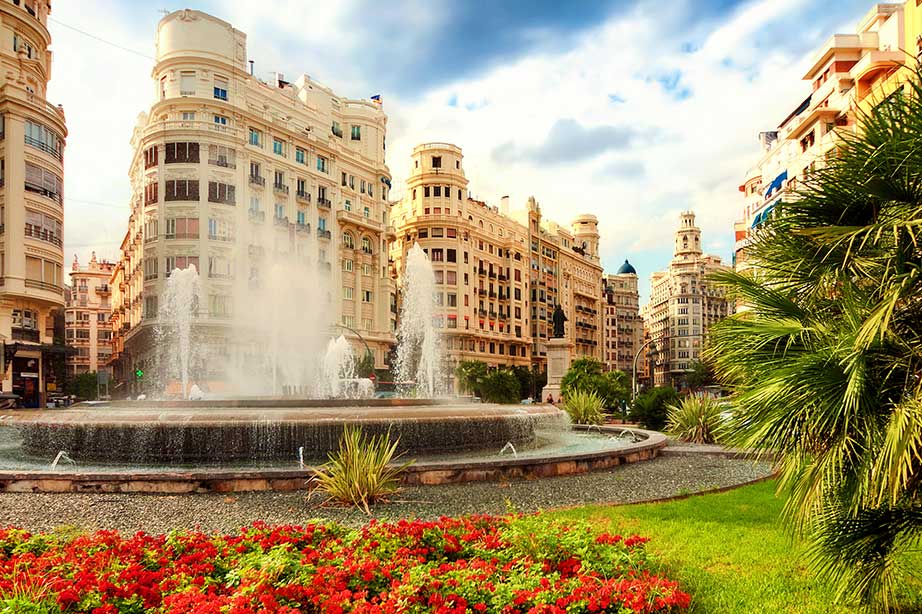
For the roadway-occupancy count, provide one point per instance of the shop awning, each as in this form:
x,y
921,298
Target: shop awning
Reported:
x,y
11,349
776,183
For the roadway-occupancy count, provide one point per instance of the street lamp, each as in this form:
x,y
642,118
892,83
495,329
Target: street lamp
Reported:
x,y
634,370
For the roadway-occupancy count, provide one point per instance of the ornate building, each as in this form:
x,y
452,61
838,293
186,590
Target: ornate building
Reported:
x,y
621,319
683,305
86,317
230,171
32,209
502,272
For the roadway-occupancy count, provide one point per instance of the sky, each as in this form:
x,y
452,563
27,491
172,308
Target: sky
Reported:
x,y
633,111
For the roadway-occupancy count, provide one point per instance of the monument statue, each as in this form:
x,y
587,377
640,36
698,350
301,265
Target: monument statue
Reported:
x,y
559,319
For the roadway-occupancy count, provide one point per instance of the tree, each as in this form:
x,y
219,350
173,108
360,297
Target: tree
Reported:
x,y
825,364
585,375
651,408
83,386
500,386
470,374
700,374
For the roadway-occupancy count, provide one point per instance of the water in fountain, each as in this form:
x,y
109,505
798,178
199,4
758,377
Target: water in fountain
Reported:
x,y
418,349
174,332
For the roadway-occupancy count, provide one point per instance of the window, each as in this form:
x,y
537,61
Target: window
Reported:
x,y
322,164
188,116
349,321
181,228
301,218
42,181
301,187
366,269
321,224
150,306
369,189
256,137
451,255
426,191
220,122
218,306
254,204
181,189
219,267
367,212
279,179
367,323
220,88
356,133
451,233
187,83
300,156
43,226
347,205
367,296
347,293
451,278
150,192
437,190
438,233
344,180
366,245
180,262
347,265
221,193
220,155
220,230
180,152
150,268
150,157
452,299
348,241
280,212
351,182
336,129
19,43
278,147
436,161
437,255
43,138
362,189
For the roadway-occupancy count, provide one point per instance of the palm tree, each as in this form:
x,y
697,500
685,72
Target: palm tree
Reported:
x,y
826,365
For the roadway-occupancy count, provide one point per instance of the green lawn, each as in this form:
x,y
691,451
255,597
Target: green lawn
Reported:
x,y
729,551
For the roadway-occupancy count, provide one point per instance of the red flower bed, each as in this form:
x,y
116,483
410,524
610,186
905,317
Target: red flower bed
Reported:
x,y
522,564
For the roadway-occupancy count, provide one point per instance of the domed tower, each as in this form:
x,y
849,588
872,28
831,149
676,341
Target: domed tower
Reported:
x,y
586,233
436,177
687,237
626,269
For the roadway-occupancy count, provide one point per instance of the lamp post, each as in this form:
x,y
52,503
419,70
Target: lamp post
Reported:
x,y
368,351
634,370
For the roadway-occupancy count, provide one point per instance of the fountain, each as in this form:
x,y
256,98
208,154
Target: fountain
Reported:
x,y
418,350
174,332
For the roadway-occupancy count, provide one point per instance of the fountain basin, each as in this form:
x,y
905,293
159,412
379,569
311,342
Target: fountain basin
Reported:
x,y
183,432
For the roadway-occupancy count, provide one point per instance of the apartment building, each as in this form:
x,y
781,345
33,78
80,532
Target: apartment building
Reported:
x,y
621,318
501,276
231,173
849,72
32,138
683,305
87,327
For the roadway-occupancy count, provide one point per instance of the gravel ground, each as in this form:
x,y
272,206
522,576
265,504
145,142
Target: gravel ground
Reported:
x,y
662,477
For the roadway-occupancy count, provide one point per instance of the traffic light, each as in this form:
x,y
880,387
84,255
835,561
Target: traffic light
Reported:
x,y
139,373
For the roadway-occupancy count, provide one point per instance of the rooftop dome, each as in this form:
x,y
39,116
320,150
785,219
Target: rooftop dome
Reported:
x,y
627,269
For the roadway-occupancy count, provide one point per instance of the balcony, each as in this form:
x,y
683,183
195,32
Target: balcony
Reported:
x,y
222,162
41,285
302,195
42,235
303,228
25,334
359,220
56,153
103,289
257,180
257,216
324,202
281,221
324,234
280,188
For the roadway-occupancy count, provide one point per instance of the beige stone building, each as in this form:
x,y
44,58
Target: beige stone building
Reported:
x,y
499,272
86,317
229,169
621,319
32,136
683,305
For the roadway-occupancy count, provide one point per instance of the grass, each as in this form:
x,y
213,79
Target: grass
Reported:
x,y
730,551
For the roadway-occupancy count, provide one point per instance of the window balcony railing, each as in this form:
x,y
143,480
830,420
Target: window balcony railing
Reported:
x,y
281,221
257,180
25,334
222,162
43,285
302,195
324,202
324,234
280,187
42,235
257,216
38,189
48,149
302,227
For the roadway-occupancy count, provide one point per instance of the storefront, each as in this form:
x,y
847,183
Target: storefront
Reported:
x,y
33,372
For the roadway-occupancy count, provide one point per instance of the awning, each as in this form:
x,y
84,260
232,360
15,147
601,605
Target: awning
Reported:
x,y
762,216
11,349
776,183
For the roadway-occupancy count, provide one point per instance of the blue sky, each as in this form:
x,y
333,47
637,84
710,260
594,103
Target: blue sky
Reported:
x,y
633,111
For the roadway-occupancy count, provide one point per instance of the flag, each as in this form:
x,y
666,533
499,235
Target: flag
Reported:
x,y
377,98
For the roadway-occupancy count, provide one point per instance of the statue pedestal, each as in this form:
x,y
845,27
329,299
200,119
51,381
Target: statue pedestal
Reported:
x,y
558,363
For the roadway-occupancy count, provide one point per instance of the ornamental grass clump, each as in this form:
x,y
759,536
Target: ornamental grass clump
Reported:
x,y
696,420
361,472
584,407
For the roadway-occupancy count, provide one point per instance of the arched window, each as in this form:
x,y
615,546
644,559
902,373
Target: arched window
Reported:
x,y
366,245
348,241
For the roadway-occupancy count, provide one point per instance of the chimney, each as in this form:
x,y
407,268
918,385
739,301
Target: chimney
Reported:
x,y
504,205
767,138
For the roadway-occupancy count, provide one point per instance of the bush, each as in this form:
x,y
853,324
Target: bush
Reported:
x,y
695,419
360,472
585,375
650,408
583,408
500,386
470,374
475,564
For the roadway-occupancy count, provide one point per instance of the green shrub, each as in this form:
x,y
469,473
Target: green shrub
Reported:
x,y
695,419
583,407
500,386
585,375
360,472
650,408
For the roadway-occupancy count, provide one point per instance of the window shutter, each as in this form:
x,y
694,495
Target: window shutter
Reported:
x,y
169,192
212,191
170,156
193,152
230,194
193,190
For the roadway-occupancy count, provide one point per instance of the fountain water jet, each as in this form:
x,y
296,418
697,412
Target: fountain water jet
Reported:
x,y
179,309
418,348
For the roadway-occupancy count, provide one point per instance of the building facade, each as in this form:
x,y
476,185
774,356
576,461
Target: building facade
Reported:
x,y
683,305
502,271
33,134
623,326
86,317
230,173
850,72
